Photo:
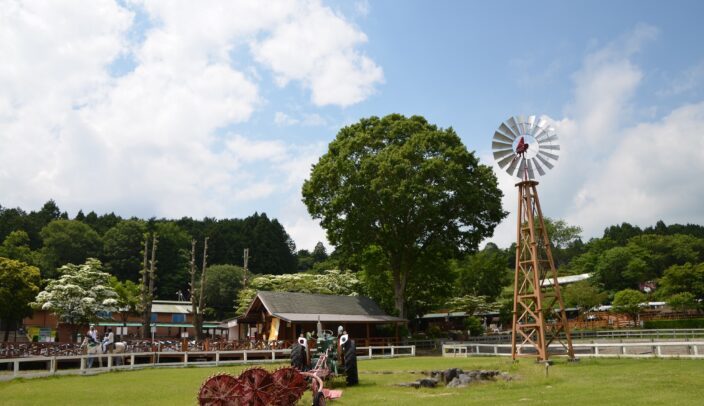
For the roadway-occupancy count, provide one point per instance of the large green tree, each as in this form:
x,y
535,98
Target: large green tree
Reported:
x,y
68,241
122,245
406,186
483,273
19,285
16,246
222,285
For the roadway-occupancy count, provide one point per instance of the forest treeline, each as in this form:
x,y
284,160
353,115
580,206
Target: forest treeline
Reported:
x,y
49,238
663,261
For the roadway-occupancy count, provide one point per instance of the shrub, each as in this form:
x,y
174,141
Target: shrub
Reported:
x,y
684,323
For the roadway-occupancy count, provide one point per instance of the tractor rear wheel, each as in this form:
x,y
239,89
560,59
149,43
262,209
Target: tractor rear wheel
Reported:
x,y
298,357
351,363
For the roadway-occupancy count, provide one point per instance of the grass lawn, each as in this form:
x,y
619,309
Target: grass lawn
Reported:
x,y
588,382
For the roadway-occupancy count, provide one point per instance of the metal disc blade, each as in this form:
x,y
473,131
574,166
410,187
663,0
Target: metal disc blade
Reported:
x,y
550,147
521,167
532,125
501,154
505,161
500,145
511,168
499,137
507,131
544,161
547,154
513,125
531,174
522,124
538,167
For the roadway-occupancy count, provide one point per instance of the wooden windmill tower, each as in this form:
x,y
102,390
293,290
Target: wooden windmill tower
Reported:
x,y
523,146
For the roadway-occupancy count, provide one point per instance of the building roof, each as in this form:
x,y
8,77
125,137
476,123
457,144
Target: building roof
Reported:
x,y
171,306
308,307
565,280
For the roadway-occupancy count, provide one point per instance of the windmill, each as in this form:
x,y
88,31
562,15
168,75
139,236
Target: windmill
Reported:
x,y
523,146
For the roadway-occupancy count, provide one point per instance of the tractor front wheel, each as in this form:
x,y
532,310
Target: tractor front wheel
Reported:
x,y
351,363
298,357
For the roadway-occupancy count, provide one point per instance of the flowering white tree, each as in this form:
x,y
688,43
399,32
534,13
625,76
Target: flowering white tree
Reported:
x,y
80,292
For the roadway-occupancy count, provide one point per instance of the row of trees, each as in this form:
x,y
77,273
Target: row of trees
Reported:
x,y
48,239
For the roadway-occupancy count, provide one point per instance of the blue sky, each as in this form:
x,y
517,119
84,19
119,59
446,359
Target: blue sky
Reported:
x,y
186,109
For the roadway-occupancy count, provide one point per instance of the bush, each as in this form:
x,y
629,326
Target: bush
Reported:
x,y
474,325
684,323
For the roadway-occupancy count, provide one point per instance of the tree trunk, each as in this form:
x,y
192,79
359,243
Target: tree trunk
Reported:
x,y
198,323
400,277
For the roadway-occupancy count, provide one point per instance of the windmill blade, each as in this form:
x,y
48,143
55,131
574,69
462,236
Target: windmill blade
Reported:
x,y
550,147
521,167
511,168
522,124
501,145
512,124
544,161
531,174
531,125
500,154
505,161
538,167
500,137
547,154
507,131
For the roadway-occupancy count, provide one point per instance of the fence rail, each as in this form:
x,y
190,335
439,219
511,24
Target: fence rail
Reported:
x,y
667,349
42,366
656,334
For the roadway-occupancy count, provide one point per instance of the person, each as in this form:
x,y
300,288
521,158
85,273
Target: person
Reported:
x,y
92,335
108,341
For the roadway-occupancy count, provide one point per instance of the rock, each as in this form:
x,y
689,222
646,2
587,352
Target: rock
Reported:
x,y
454,383
450,374
428,382
464,379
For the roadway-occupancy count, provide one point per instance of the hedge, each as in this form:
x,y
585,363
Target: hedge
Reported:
x,y
684,323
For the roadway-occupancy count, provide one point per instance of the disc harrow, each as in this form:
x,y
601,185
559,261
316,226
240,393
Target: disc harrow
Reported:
x,y
254,387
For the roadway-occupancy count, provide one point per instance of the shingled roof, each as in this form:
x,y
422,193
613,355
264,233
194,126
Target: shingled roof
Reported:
x,y
307,307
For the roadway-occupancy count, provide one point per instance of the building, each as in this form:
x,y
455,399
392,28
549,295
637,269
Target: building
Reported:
x,y
171,319
285,316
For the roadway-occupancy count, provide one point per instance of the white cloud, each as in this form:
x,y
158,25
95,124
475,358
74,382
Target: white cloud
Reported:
x,y
153,141
612,169
306,119
318,48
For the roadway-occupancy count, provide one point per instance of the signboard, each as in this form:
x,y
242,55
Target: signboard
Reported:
x,y
274,330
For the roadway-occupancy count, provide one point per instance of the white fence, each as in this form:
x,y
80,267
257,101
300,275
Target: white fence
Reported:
x,y
34,367
667,349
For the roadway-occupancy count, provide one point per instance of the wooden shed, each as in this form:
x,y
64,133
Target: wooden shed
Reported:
x,y
286,315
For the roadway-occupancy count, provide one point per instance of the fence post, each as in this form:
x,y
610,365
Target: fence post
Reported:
x,y
132,361
83,364
185,359
16,368
392,350
370,352
217,358
245,355
273,355
109,361
413,351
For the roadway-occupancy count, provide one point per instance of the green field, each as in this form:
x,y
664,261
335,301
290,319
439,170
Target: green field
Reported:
x,y
588,382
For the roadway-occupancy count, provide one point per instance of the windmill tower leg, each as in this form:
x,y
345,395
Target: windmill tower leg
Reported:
x,y
539,316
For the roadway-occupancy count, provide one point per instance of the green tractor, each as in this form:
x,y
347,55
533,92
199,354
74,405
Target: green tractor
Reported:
x,y
331,356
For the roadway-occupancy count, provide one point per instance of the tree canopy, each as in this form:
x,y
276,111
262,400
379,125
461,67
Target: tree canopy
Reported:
x,y
406,186
79,293
19,285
